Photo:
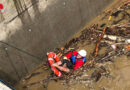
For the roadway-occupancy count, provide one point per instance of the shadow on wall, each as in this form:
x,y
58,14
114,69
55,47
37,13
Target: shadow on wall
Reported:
x,y
19,6
49,29
35,7
9,80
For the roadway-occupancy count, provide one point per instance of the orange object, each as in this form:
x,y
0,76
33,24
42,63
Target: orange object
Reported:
x,y
128,47
51,57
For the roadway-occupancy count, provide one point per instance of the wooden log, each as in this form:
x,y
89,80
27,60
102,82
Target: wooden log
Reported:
x,y
116,38
125,3
31,75
122,25
110,55
98,41
40,82
112,42
119,30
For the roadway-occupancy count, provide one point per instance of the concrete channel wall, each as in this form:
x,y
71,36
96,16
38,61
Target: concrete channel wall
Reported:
x,y
28,29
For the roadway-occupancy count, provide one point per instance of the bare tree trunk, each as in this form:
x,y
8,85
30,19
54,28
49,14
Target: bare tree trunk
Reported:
x,y
116,38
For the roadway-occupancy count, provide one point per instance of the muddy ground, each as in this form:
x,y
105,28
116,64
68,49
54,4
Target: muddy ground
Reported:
x,y
107,41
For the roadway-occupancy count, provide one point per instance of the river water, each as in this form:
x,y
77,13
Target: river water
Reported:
x,y
119,78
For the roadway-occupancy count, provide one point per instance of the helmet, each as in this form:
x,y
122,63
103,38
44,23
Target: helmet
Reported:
x,y
82,53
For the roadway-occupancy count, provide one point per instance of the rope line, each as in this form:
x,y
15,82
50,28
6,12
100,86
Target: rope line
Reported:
x,y
20,50
12,65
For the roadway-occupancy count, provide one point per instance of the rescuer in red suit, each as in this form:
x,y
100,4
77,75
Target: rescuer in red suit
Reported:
x,y
72,61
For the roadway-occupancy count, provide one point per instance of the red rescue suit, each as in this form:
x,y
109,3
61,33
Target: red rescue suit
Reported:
x,y
79,61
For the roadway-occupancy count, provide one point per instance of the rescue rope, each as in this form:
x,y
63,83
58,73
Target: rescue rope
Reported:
x,y
20,50
10,60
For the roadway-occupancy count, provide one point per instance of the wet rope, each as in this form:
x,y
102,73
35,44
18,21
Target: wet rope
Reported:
x,y
20,50
12,64
26,69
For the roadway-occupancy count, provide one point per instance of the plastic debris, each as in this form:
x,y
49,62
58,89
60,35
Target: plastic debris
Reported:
x,y
113,46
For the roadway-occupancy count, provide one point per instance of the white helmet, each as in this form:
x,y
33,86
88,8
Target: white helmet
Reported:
x,y
82,53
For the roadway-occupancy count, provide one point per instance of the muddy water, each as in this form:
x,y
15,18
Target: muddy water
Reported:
x,y
119,75
119,78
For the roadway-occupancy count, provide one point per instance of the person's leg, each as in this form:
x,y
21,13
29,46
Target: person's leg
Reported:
x,y
65,69
62,62
57,63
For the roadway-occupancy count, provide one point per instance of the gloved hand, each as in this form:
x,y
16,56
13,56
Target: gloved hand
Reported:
x,y
65,58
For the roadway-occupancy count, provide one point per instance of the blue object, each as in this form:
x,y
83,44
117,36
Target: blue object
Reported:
x,y
73,59
84,60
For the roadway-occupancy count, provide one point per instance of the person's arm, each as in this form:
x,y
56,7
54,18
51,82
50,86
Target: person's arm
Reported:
x,y
78,64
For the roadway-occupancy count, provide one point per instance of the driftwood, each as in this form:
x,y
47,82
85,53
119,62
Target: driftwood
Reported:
x,y
119,31
116,38
31,75
121,25
44,66
106,57
117,9
41,81
124,4
98,42
38,82
108,42
109,56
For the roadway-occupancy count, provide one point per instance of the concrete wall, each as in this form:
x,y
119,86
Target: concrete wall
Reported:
x,y
40,26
